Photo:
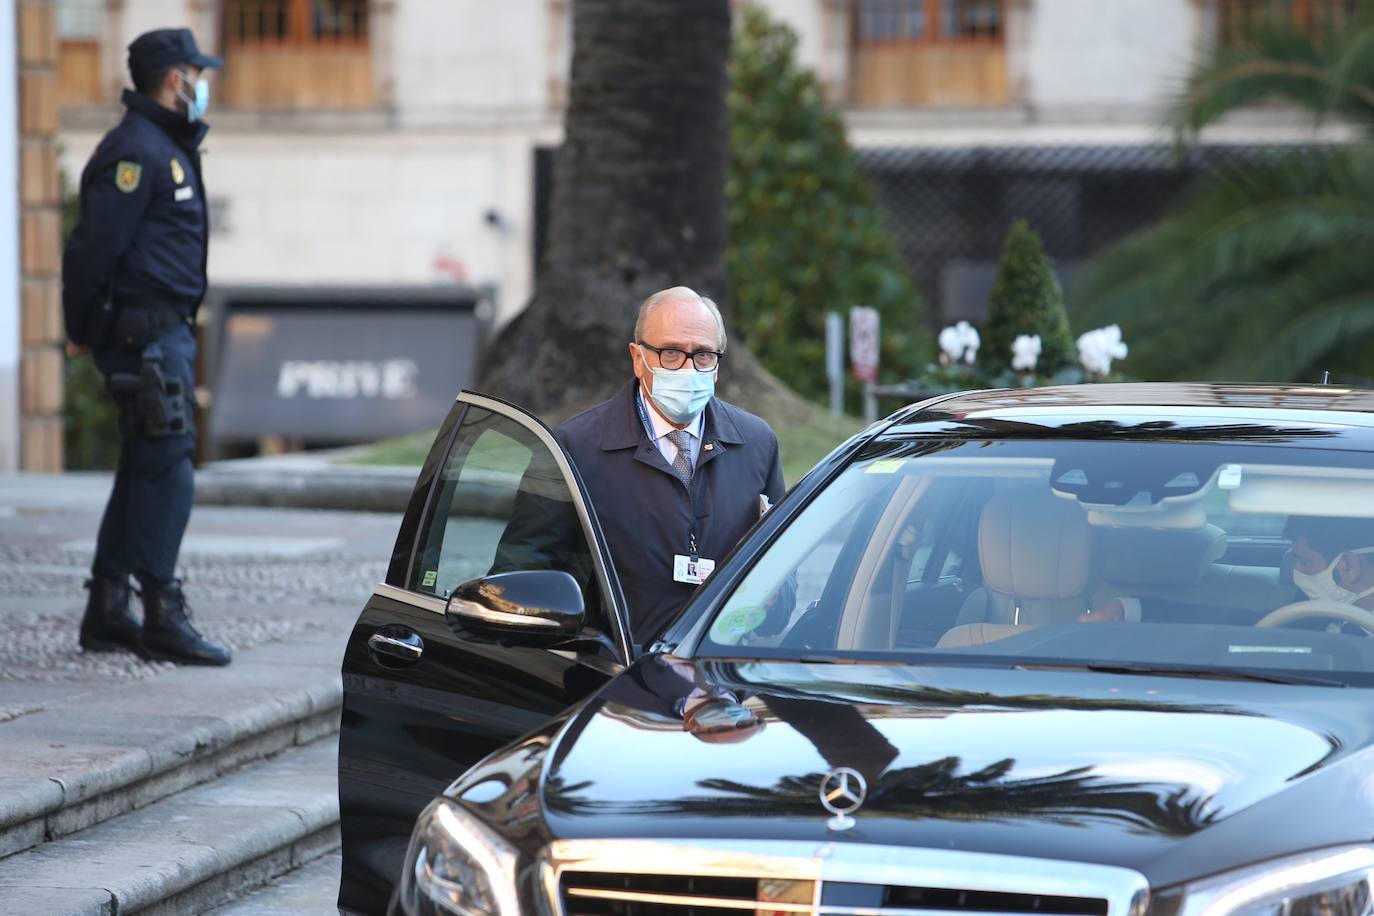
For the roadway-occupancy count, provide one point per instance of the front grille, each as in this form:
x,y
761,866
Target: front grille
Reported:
x,y
598,894
612,894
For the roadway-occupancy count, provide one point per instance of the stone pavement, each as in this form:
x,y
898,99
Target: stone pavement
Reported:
x,y
87,739
253,576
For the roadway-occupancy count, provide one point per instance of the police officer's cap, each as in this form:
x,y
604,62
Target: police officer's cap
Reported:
x,y
163,48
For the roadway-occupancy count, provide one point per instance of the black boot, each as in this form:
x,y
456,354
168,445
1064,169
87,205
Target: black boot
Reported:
x,y
109,625
167,632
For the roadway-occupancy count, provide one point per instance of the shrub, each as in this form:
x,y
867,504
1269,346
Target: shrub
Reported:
x,y
807,235
1026,299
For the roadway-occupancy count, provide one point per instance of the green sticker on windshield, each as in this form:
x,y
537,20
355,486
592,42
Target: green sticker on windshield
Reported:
x,y
735,623
430,578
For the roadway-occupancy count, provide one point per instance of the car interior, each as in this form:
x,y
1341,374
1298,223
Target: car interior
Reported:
x,y
951,555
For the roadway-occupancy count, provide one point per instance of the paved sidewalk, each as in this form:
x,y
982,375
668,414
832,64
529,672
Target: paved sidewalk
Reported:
x,y
283,587
253,576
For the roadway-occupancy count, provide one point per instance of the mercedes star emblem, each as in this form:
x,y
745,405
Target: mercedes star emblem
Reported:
x,y
842,793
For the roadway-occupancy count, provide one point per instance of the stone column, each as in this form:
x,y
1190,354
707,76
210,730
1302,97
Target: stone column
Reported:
x,y
836,40
381,38
41,360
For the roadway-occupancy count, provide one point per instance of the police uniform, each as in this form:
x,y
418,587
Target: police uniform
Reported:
x,y
133,277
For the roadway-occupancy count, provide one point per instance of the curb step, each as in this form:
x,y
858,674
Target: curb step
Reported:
x,y
361,488
188,852
312,890
82,762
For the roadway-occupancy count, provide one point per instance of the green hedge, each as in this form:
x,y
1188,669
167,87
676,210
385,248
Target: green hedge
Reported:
x,y
807,235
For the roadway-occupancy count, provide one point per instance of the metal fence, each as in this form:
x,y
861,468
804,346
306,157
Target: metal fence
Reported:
x,y
950,207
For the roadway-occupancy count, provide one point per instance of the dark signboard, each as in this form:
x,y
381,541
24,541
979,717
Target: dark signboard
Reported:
x,y
337,366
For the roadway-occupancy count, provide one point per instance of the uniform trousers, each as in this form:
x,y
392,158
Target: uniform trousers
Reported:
x,y
150,504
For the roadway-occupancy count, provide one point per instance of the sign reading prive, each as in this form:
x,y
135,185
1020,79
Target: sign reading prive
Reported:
x,y
340,370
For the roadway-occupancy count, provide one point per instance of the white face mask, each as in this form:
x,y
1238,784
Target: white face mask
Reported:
x,y
683,393
1323,586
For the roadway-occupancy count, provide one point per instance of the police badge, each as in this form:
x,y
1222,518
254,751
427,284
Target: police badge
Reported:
x,y
178,173
127,175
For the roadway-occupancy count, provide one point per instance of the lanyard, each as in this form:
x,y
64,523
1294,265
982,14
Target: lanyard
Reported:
x,y
691,489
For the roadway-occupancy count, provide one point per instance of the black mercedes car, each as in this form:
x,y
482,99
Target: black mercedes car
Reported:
x,y
1088,651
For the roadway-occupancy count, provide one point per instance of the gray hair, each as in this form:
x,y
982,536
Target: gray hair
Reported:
x,y
677,294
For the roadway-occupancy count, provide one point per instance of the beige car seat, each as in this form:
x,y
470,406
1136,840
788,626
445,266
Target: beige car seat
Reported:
x,y
1036,554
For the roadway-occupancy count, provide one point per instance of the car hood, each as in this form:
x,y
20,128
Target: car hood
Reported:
x,y
1110,768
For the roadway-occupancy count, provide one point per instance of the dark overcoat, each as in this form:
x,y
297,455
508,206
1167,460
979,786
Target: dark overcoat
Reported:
x,y
649,516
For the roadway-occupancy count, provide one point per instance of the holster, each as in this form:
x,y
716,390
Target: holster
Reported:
x,y
160,405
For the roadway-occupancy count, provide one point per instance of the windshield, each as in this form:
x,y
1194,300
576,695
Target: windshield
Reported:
x,y
1184,558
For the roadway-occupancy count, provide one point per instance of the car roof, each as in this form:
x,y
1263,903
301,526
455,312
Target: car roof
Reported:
x,y
1109,410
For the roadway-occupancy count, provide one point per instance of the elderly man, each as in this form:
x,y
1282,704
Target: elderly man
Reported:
x,y
675,474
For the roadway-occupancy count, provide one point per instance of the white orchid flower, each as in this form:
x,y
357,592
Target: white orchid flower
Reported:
x,y
952,344
1025,352
971,341
1098,348
960,342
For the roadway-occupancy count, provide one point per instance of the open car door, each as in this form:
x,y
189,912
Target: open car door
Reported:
x,y
500,610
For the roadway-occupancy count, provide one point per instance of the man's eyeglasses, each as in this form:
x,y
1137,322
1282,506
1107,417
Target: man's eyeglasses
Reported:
x,y
673,358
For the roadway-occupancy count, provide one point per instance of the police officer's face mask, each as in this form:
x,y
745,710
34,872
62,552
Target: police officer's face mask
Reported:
x,y
197,103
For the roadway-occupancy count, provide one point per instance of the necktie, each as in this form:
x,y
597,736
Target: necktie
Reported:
x,y
682,464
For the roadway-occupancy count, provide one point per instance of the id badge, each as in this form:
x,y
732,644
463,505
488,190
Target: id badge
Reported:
x,y
691,570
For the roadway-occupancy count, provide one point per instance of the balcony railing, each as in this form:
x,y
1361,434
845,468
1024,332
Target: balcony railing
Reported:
x,y
928,53
297,54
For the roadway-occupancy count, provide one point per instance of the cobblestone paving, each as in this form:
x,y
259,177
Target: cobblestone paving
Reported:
x,y
239,595
252,576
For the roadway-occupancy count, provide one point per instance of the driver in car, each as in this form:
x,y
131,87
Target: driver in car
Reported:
x,y
1332,559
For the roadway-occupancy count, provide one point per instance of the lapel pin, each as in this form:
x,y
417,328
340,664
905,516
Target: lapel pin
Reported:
x,y
708,446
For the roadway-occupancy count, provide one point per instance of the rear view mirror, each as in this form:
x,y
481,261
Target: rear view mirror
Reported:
x,y
532,602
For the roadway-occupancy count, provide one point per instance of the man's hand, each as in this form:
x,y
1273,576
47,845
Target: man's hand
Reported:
x,y
1109,612
74,350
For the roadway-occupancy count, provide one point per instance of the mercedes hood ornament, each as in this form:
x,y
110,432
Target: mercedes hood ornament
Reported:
x,y
842,792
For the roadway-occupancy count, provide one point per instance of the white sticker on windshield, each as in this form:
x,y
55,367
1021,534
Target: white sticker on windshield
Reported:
x,y
885,466
1228,478
1280,650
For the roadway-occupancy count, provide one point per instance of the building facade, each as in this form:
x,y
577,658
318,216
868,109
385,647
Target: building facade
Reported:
x,y
376,143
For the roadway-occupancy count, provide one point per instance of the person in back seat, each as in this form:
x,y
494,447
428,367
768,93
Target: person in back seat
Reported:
x,y
1136,564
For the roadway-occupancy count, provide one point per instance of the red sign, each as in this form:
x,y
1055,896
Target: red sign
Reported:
x,y
863,343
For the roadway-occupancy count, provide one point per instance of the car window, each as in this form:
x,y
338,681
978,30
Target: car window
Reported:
x,y
502,505
788,585
1028,549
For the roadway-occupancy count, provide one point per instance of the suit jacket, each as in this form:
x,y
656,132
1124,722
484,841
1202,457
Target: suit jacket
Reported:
x,y
646,512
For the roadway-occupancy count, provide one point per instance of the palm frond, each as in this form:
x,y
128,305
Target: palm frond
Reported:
x,y
1298,349
1328,74
1238,262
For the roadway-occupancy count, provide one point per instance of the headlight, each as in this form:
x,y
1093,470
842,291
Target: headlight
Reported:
x,y
457,866
1333,882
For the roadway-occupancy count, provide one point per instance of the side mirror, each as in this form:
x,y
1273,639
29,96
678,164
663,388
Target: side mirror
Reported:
x,y
532,602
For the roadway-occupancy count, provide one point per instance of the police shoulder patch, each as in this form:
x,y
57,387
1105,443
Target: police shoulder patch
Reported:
x,y
127,175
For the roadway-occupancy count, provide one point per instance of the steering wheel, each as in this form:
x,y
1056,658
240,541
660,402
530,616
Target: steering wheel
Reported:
x,y
1303,610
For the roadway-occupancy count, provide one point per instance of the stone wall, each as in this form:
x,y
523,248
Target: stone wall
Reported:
x,y
41,359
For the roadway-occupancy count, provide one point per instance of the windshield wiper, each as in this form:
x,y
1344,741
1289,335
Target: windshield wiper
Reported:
x,y
1216,674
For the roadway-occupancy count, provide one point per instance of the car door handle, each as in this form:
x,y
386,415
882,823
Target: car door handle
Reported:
x,y
397,644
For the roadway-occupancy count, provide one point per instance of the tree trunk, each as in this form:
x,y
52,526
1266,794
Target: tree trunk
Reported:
x,y
638,205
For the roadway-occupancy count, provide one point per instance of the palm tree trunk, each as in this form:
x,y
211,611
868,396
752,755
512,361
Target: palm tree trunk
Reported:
x,y
638,201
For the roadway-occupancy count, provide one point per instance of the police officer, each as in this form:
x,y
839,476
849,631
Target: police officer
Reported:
x,y
133,276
